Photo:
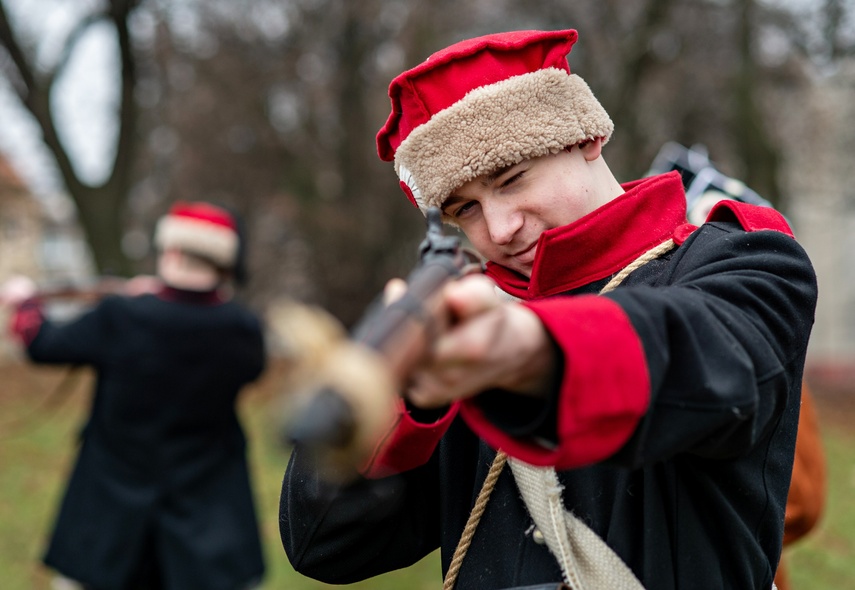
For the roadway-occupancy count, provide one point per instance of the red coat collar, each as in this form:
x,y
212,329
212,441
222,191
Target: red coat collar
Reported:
x,y
651,211
167,293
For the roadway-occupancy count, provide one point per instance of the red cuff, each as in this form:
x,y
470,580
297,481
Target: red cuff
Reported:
x,y
604,392
26,321
408,445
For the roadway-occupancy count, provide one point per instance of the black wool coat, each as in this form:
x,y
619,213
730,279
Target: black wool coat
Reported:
x,y
695,496
161,476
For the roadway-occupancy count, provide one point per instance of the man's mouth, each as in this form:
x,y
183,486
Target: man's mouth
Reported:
x,y
526,255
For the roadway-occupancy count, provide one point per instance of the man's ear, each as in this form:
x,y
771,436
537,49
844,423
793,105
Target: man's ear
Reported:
x,y
592,148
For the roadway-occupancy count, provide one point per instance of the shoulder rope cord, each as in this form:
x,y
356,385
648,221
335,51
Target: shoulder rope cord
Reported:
x,y
564,534
648,256
473,520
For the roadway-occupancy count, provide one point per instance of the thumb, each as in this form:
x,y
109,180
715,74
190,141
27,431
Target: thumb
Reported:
x,y
471,296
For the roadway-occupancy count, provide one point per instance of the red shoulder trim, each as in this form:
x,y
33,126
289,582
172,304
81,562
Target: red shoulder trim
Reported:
x,y
750,217
682,233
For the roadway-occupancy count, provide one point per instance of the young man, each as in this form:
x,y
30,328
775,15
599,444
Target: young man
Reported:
x,y
160,494
644,384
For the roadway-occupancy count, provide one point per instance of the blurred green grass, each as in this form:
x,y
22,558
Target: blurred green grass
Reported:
x,y
37,439
41,410
825,558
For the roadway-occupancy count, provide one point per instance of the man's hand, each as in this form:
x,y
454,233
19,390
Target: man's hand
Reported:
x,y
489,344
16,290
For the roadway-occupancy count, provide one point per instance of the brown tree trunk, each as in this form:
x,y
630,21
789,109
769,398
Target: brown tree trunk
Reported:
x,y
101,207
755,147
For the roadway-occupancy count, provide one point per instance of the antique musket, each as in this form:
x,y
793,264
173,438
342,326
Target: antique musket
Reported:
x,y
352,404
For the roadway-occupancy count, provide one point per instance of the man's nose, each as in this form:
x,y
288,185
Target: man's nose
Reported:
x,y
503,222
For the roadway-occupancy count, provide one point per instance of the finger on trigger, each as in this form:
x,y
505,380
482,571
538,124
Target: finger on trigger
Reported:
x,y
471,295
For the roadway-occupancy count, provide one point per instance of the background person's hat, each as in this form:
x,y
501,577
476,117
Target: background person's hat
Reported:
x,y
483,104
202,229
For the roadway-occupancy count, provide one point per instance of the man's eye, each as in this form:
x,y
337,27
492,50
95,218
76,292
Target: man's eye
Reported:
x,y
513,179
464,209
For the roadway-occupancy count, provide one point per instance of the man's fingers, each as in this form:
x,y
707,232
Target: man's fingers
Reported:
x,y
431,389
471,295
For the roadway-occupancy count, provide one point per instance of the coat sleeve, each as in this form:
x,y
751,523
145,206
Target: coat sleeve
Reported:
x,y
806,499
344,534
249,348
411,441
83,340
699,359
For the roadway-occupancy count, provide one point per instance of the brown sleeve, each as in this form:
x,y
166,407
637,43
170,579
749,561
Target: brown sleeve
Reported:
x,y
806,499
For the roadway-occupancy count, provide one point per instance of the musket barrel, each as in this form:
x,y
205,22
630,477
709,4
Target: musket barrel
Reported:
x,y
337,419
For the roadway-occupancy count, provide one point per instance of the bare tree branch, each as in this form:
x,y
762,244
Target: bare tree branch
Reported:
x,y
635,62
100,208
22,64
756,148
128,111
834,13
70,43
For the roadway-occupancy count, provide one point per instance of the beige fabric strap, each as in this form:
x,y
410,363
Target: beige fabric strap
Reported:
x,y
586,561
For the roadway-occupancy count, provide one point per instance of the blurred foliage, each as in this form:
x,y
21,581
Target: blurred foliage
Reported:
x,y
271,107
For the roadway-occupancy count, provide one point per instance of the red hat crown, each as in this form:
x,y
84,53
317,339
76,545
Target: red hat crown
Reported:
x,y
482,104
204,213
202,229
449,74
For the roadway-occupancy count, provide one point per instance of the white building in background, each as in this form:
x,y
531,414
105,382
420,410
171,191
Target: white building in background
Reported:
x,y
64,252
818,136
20,226
38,238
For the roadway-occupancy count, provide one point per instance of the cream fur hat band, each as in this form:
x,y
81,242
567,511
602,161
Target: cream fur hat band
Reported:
x,y
202,229
483,104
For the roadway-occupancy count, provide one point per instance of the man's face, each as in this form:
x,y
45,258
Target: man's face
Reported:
x,y
503,214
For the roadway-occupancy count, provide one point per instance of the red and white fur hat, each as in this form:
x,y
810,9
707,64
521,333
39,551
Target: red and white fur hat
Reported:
x,y
483,104
202,229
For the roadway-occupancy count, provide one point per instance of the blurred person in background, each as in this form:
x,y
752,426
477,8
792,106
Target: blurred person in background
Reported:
x,y
639,375
160,495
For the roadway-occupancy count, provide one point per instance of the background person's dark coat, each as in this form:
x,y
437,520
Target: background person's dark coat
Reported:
x,y
162,472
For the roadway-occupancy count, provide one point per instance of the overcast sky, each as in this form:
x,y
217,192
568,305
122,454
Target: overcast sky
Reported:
x,y
84,99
